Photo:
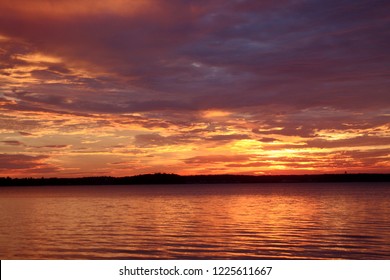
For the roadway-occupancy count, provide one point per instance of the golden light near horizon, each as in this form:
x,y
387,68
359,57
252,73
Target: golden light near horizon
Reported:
x,y
66,8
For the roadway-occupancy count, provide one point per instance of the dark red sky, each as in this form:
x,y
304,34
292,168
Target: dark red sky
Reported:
x,y
120,87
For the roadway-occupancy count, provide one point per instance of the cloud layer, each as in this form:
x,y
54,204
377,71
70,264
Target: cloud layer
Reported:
x,y
241,86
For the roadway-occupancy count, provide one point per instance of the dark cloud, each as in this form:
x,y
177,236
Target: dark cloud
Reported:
x,y
54,146
23,133
21,161
301,53
267,139
351,142
12,142
227,137
216,159
45,75
12,123
251,164
153,140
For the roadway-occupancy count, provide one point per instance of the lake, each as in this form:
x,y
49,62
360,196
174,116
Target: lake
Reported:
x,y
231,221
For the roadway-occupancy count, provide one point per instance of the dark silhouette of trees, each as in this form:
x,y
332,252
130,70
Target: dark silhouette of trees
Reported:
x,y
163,178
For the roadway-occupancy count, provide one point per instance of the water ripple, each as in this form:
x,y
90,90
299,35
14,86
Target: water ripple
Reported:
x,y
285,221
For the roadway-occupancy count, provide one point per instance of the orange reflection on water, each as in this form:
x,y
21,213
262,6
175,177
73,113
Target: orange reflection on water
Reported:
x,y
222,221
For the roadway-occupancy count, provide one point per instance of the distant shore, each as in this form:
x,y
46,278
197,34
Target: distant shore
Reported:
x,y
163,178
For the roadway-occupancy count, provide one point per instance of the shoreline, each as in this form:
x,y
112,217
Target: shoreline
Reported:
x,y
162,178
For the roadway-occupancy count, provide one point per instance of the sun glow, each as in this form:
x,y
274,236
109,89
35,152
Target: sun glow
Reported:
x,y
210,114
39,58
4,38
66,8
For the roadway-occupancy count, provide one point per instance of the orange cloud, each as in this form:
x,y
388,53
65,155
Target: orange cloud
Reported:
x,y
75,7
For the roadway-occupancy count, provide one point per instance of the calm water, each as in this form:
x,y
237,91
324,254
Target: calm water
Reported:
x,y
282,221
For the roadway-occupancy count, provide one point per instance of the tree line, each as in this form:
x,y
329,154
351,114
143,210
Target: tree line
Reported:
x,y
164,178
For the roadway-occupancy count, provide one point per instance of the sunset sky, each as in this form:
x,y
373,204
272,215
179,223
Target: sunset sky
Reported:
x,y
125,87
